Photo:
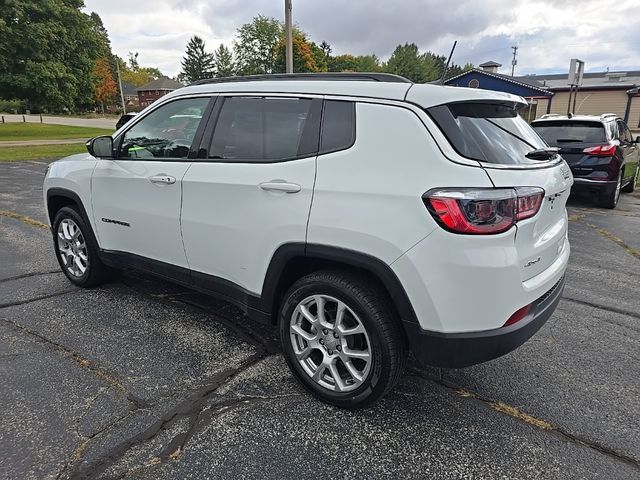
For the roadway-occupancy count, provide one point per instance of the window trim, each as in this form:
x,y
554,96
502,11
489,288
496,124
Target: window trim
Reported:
x,y
197,138
317,102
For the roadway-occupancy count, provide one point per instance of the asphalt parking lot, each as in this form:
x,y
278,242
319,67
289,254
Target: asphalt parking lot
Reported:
x,y
142,379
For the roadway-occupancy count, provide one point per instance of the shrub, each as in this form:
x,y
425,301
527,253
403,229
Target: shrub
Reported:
x,y
11,106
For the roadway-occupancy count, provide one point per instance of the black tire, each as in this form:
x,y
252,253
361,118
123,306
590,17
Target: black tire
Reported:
x,y
609,199
376,313
631,186
96,272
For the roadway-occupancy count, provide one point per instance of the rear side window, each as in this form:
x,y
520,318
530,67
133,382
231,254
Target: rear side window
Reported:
x,y
492,133
263,129
562,132
338,126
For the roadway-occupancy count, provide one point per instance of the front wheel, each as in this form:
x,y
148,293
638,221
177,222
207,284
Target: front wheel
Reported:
x,y
342,338
76,252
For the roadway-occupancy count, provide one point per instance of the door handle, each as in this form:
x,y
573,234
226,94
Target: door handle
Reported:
x,y
280,186
162,178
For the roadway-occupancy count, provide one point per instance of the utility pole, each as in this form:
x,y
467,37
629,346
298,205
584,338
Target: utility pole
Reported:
x,y
289,36
124,107
514,62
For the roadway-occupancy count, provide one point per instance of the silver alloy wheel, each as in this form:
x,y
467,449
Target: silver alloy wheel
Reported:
x,y
72,247
618,187
330,343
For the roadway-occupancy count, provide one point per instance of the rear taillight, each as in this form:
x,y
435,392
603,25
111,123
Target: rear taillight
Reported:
x,y
482,211
606,150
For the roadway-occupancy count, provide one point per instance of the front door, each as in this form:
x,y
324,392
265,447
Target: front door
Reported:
x,y
630,151
137,195
253,192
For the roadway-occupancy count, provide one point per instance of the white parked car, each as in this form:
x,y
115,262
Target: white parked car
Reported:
x,y
365,218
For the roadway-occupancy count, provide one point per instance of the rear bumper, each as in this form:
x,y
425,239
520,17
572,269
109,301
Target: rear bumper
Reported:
x,y
457,350
586,184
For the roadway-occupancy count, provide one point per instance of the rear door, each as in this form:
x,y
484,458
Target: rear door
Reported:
x,y
137,195
252,193
629,151
497,137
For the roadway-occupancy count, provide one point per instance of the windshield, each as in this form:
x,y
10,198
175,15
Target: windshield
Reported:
x,y
487,132
559,133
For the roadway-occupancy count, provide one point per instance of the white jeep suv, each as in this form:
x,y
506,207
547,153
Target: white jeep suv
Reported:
x,y
365,218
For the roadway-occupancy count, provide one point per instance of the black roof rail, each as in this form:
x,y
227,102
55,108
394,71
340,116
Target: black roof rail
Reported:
x,y
344,76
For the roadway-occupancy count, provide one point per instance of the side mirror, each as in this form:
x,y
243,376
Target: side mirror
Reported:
x,y
638,139
101,147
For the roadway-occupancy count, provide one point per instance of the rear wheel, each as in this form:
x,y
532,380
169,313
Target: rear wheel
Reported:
x,y
341,338
76,251
609,199
630,187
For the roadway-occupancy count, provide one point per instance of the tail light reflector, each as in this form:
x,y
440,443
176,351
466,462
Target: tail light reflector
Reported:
x,y
518,315
529,201
606,150
482,211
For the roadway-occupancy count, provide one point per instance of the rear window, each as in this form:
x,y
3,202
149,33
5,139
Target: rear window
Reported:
x,y
559,133
263,129
492,133
338,126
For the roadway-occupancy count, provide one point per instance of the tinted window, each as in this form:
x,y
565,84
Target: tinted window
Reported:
x,y
492,133
338,126
563,132
166,132
266,129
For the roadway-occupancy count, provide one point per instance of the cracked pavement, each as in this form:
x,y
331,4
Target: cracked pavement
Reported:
x,y
147,380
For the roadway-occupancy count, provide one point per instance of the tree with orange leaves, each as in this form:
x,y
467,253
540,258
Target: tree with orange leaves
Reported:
x,y
303,60
106,88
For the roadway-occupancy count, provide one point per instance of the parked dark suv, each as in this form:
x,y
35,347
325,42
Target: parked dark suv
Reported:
x,y
603,157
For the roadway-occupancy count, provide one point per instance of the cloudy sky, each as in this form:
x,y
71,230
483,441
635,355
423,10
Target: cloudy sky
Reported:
x,y
604,33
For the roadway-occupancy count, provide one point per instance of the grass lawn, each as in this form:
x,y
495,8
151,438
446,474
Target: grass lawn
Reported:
x,y
42,131
40,152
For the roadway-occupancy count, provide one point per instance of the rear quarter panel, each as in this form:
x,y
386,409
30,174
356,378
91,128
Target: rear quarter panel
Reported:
x,y
369,198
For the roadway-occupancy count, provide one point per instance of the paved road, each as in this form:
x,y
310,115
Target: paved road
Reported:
x,y
26,143
141,379
60,120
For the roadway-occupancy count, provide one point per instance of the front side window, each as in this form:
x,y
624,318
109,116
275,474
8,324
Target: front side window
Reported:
x,y
167,132
492,133
625,134
266,129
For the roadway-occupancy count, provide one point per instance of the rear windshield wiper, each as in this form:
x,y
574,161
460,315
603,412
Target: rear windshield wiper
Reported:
x,y
567,140
543,153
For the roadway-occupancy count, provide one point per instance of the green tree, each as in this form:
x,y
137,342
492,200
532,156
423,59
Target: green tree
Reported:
x,y
47,52
352,63
223,63
197,63
255,46
131,71
319,57
407,61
